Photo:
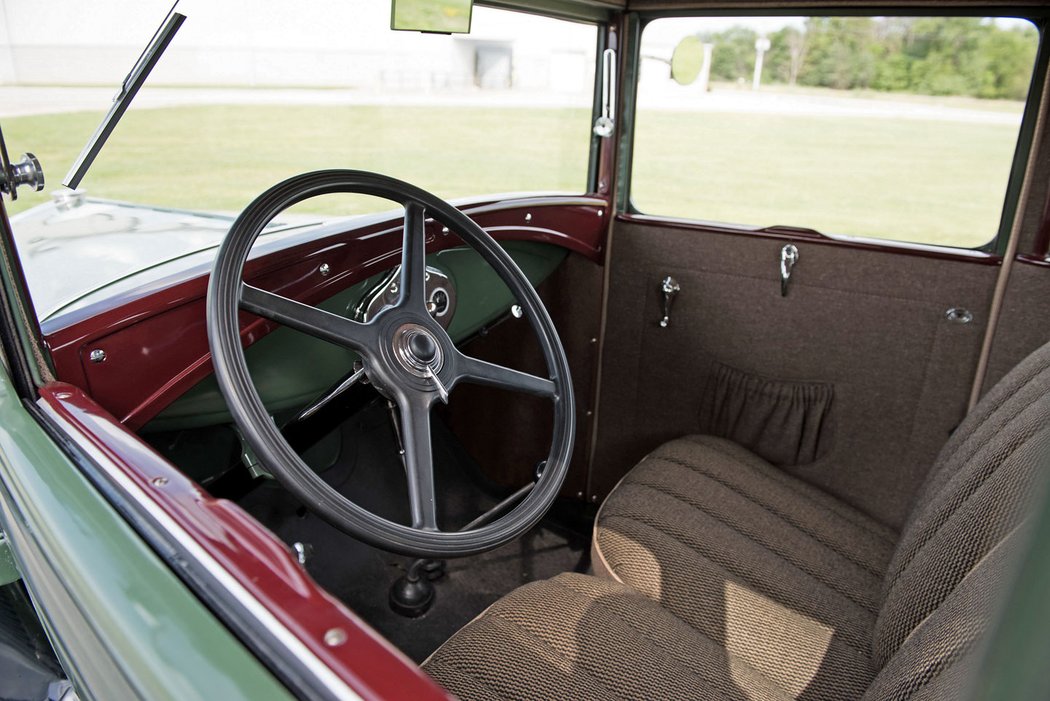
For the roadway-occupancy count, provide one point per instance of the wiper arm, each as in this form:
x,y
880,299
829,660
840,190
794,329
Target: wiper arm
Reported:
x,y
122,101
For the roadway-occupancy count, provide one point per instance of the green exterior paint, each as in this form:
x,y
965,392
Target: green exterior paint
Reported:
x,y
8,569
290,368
116,614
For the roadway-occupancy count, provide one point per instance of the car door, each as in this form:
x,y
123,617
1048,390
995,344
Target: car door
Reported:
x,y
804,266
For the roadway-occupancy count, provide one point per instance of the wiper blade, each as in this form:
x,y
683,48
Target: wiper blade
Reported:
x,y
122,101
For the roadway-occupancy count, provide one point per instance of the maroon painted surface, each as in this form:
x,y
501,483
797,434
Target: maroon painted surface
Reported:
x,y
157,344
255,557
607,147
810,236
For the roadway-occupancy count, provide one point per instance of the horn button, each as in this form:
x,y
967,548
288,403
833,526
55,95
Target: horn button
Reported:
x,y
416,350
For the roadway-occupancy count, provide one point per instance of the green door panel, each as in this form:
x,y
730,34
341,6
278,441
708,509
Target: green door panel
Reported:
x,y
120,620
290,368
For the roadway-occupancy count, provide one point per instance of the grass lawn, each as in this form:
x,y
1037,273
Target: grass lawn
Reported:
x,y
219,158
910,179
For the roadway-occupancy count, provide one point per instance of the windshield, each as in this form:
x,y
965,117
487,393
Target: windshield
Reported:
x,y
250,93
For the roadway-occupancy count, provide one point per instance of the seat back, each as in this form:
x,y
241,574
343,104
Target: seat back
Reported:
x,y
949,565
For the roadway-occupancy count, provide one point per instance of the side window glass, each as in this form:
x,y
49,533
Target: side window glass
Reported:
x,y
899,128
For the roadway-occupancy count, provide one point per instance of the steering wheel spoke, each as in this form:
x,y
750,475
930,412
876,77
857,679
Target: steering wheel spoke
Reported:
x,y
310,320
413,281
419,460
480,372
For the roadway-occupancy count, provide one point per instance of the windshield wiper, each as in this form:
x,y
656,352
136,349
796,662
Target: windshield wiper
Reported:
x,y
128,89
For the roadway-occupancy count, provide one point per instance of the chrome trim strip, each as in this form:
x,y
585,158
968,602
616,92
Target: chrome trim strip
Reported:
x,y
548,201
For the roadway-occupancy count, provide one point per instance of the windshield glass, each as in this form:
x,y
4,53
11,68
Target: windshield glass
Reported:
x,y
250,93
247,94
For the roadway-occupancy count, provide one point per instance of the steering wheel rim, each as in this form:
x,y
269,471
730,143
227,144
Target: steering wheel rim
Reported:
x,y
391,362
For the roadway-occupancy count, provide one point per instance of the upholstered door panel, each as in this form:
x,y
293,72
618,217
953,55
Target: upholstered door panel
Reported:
x,y
860,359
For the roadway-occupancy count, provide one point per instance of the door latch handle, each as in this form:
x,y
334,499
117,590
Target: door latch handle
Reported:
x,y
670,288
788,259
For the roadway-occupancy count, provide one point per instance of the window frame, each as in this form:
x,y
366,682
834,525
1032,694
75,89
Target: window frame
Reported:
x,y
636,22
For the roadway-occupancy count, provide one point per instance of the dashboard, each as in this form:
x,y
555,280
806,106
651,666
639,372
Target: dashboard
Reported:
x,y
140,349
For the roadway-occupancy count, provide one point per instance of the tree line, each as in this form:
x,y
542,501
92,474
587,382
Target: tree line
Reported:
x,y
926,55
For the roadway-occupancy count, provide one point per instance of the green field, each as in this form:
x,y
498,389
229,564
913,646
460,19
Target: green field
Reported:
x,y
219,158
904,179
913,180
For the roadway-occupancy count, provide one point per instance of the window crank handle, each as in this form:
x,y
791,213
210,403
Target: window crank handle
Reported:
x,y
670,288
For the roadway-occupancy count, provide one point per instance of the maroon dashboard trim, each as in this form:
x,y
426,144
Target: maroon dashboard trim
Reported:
x,y
263,565
148,366
810,236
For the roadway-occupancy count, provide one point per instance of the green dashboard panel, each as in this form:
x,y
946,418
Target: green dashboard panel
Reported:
x,y
290,368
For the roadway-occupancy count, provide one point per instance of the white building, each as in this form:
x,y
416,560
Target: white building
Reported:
x,y
275,43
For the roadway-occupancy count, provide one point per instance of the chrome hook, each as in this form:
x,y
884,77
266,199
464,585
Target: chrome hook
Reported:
x,y
788,260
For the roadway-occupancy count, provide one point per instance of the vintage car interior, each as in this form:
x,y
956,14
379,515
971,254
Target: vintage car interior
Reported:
x,y
614,441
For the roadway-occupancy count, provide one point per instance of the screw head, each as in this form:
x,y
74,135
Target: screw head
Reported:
x,y
325,270
159,481
97,356
334,637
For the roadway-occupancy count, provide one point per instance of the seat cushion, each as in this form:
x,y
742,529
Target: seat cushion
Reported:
x,y
756,560
581,637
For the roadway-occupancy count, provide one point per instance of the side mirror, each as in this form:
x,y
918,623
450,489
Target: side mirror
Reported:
x,y
434,16
687,60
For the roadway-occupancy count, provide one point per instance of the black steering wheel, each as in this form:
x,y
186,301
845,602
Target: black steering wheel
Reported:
x,y
407,356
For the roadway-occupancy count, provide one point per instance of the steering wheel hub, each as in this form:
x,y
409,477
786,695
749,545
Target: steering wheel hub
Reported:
x,y
416,350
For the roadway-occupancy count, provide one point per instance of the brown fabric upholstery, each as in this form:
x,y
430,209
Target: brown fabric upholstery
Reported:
x,y
938,658
578,637
701,511
702,526
870,324
977,493
747,583
784,423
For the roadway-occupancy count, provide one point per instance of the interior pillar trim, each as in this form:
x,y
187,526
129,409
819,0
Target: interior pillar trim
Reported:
x,y
995,310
